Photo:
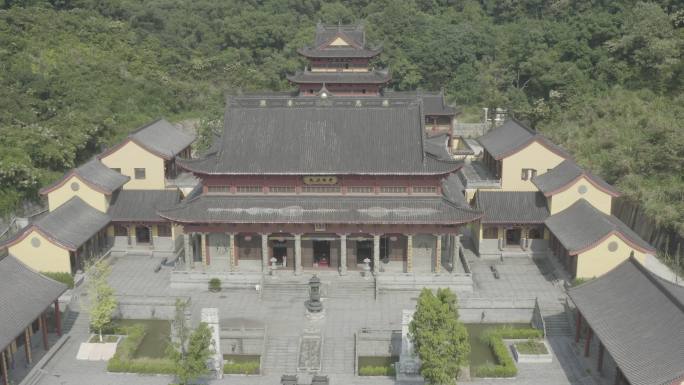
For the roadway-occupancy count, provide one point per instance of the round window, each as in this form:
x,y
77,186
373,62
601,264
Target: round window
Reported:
x,y
75,186
582,189
612,246
35,242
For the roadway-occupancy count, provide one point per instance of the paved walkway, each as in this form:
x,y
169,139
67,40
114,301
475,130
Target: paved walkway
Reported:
x,y
284,319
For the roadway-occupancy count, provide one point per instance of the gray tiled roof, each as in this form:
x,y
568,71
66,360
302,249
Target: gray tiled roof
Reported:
x,y
24,295
453,190
581,226
434,103
564,174
437,146
355,33
319,209
370,77
316,136
162,138
512,206
97,175
72,223
512,136
141,205
638,320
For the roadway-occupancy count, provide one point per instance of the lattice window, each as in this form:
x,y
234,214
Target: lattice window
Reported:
x,y
360,190
281,189
393,189
249,189
424,189
321,189
218,189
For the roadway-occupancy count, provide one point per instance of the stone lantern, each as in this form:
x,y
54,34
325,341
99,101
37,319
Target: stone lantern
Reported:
x,y
314,304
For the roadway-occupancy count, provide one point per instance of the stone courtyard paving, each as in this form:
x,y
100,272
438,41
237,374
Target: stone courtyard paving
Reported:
x,y
283,316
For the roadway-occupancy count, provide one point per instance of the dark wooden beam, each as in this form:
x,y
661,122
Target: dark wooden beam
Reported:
x,y
43,329
578,325
600,357
27,346
587,344
58,319
3,364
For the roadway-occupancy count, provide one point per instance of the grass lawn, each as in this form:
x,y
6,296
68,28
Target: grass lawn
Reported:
x,y
531,347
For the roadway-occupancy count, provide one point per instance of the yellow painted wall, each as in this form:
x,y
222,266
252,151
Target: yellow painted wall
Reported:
x,y
46,257
600,260
94,198
533,156
597,198
132,156
339,42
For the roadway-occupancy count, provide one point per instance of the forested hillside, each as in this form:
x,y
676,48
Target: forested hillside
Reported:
x,y
603,78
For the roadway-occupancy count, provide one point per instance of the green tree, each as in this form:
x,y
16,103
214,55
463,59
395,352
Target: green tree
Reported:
x,y
439,337
191,362
101,295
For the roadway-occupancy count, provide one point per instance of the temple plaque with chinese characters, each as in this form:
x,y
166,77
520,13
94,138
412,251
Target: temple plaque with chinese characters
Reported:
x,y
322,179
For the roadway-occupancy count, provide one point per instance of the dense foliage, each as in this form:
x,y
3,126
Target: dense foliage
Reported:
x,y
439,337
603,78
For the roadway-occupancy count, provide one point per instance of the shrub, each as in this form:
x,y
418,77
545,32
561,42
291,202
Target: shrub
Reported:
x,y
215,285
124,361
64,278
531,347
377,370
248,367
494,338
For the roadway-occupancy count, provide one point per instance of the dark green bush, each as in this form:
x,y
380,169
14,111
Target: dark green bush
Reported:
x,y
377,370
124,361
214,284
64,278
248,367
505,366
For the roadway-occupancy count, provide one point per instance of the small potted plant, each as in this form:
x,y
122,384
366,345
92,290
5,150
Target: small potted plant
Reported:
x,y
214,285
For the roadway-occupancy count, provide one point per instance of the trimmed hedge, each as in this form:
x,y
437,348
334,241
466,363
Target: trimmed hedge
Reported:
x,y
124,361
248,367
377,370
64,278
494,338
215,285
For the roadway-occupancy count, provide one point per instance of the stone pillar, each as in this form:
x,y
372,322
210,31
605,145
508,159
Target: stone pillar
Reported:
x,y
438,253
298,253
187,250
409,253
376,253
233,251
203,248
210,316
343,254
264,253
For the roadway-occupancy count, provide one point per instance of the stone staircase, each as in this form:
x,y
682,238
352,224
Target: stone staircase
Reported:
x,y
275,288
555,320
349,289
280,355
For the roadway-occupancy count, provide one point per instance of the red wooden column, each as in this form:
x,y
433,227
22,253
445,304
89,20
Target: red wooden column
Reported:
x,y
600,357
587,344
3,365
43,328
58,319
27,346
578,325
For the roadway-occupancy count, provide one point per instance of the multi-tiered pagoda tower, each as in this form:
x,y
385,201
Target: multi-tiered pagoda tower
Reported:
x,y
339,64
